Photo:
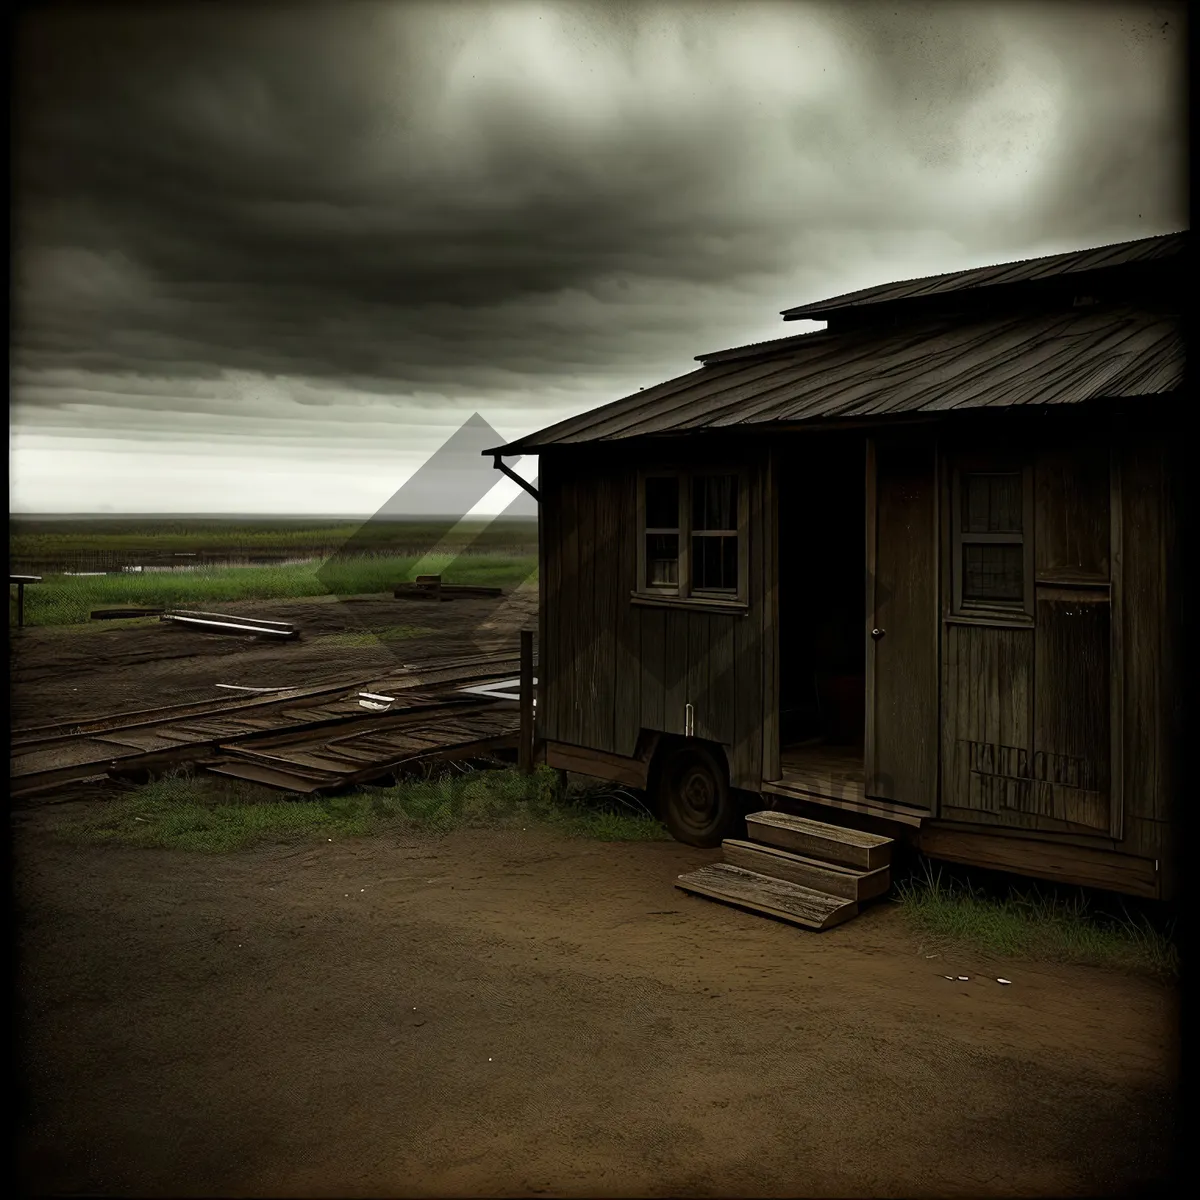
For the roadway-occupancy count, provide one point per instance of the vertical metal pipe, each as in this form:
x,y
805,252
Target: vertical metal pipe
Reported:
x,y
525,747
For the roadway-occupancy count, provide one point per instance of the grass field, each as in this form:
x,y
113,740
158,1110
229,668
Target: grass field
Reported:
x,y
214,815
39,539
348,558
68,600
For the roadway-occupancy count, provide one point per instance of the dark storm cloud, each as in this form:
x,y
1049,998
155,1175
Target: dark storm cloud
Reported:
x,y
404,198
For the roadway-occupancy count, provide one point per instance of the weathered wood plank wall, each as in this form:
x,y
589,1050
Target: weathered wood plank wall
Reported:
x,y
1025,709
610,668
1103,647
1150,632
1106,600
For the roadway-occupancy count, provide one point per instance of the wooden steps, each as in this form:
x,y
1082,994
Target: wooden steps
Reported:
x,y
803,871
827,877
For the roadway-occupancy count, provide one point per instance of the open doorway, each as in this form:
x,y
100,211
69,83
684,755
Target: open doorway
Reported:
x,y
822,613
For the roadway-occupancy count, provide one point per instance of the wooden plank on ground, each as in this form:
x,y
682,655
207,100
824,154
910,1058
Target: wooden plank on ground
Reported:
x,y
293,759
774,897
140,739
121,614
257,773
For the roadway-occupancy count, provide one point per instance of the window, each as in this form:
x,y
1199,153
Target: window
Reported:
x,y
715,533
692,541
991,549
662,532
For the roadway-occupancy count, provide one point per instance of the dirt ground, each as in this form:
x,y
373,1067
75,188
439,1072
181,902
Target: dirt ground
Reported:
x,y
521,1014
116,666
515,1014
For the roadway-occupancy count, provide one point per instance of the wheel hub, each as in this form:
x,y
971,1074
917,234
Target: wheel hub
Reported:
x,y
698,794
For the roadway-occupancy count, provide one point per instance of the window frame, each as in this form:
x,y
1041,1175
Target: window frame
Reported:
x,y
683,593
1019,612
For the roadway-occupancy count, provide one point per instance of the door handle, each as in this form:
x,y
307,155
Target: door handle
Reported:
x,y
878,633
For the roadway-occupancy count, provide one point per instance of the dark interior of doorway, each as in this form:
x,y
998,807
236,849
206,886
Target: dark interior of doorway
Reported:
x,y
822,597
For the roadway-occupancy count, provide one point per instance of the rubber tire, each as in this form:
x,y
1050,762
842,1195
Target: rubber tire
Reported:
x,y
694,797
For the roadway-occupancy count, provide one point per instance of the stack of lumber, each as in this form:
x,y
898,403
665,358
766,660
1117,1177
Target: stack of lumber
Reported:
x,y
803,871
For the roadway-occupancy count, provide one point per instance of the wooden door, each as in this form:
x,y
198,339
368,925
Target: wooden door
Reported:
x,y
1027,701
902,621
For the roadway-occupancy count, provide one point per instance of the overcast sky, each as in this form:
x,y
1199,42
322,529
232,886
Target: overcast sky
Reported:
x,y
268,259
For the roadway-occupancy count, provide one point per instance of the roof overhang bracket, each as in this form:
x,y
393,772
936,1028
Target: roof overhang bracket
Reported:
x,y
500,465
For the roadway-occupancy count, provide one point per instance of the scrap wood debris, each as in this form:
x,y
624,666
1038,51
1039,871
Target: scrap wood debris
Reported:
x,y
128,612
225,623
431,587
312,739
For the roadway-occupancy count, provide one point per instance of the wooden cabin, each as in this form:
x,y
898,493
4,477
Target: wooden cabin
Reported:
x,y
915,572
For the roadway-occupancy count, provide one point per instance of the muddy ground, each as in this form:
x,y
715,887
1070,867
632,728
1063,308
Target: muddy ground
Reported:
x,y
116,666
519,1013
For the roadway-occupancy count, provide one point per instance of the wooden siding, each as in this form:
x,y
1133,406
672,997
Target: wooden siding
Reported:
x,y
1027,708
1107,619
1071,707
1071,516
1151,627
987,682
609,667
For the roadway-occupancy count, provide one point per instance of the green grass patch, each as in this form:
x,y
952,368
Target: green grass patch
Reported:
x,y
211,814
41,539
93,627
1056,924
69,600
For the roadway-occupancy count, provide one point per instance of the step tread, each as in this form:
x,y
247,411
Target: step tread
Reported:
x,y
837,833
776,897
851,883
816,839
792,856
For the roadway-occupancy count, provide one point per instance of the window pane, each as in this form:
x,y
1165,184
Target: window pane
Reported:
x,y
714,564
991,503
714,502
993,572
662,503
662,559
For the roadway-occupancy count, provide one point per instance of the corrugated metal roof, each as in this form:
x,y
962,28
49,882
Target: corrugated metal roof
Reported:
x,y
1121,254
1051,358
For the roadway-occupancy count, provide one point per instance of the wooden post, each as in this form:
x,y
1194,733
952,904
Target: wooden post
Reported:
x,y
525,747
21,581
